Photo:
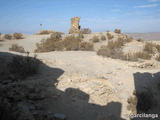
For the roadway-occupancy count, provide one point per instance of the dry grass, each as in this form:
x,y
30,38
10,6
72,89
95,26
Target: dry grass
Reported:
x,y
137,55
118,31
109,36
18,36
103,37
8,36
17,48
95,39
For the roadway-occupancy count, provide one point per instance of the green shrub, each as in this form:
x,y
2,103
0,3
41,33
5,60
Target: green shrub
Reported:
x,y
103,37
8,36
21,67
18,36
109,36
17,48
117,31
85,31
95,39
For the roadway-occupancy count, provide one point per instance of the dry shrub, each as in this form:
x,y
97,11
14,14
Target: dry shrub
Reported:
x,y
67,44
85,31
57,35
43,32
149,48
18,36
21,67
139,40
106,51
86,46
80,35
115,44
95,39
158,58
17,48
132,104
109,36
103,37
50,44
8,36
117,31
71,43
135,56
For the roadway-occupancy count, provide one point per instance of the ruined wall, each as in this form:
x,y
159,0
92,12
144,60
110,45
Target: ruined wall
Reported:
x,y
75,27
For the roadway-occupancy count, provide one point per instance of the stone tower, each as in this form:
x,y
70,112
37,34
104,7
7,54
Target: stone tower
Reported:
x,y
75,27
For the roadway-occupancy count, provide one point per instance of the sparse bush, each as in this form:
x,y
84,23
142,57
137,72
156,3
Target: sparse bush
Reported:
x,y
21,67
103,37
43,32
117,31
95,39
18,36
17,48
85,31
149,48
8,36
86,46
109,36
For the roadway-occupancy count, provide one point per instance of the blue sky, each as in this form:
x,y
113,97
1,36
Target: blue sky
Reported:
x,y
25,16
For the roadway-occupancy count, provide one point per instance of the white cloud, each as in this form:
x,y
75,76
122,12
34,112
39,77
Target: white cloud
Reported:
x,y
147,6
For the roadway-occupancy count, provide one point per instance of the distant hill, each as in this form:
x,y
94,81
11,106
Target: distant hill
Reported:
x,y
146,36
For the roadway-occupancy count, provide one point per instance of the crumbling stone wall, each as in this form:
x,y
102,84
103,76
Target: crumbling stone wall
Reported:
x,y
75,27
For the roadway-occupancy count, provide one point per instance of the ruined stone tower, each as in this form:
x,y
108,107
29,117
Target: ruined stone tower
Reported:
x,y
75,28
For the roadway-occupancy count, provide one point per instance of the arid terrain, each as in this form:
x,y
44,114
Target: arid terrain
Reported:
x,y
87,84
